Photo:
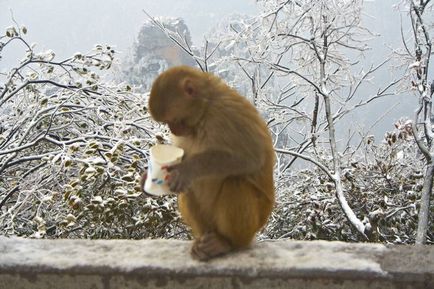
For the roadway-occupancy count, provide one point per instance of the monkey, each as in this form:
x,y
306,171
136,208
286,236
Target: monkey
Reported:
x,y
225,180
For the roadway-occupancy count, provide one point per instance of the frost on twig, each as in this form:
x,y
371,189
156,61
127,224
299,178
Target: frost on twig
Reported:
x,y
422,126
72,149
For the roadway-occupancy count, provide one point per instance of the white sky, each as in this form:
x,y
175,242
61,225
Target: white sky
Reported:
x,y
68,26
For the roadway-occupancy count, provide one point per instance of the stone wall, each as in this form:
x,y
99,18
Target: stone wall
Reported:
x,y
125,264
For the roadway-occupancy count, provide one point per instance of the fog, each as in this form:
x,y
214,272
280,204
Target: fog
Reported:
x,y
70,26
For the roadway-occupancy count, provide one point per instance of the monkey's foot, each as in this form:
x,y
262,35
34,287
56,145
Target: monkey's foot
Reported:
x,y
208,246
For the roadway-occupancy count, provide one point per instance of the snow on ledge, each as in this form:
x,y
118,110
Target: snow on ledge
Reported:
x,y
124,264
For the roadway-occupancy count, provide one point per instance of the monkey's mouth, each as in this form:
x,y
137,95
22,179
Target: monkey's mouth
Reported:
x,y
178,128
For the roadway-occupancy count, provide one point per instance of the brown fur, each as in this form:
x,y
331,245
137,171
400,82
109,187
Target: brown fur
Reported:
x,y
227,173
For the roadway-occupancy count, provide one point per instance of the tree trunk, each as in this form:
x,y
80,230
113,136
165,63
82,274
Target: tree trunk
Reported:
x,y
422,226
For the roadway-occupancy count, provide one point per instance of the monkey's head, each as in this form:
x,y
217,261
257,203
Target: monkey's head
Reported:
x,y
178,98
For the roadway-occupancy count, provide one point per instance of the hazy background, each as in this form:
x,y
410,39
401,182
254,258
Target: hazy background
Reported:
x,y
67,27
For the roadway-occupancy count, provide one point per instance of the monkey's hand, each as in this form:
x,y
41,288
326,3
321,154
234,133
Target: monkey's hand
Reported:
x,y
180,177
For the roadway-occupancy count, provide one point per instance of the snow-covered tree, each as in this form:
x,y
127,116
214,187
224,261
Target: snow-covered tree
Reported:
x,y
72,146
417,55
302,64
312,48
72,149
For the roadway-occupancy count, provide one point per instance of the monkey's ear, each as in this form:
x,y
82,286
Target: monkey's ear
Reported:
x,y
189,88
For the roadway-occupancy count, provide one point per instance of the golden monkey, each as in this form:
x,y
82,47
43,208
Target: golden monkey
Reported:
x,y
225,180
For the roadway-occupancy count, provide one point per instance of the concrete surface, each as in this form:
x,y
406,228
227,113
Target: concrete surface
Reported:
x,y
125,264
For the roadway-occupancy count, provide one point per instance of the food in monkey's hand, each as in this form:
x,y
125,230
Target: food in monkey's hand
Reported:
x,y
161,157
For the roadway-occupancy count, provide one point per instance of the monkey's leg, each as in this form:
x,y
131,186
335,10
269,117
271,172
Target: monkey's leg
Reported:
x,y
189,209
242,210
239,212
209,245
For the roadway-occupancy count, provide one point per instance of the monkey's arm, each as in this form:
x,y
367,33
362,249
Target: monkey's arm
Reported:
x,y
211,163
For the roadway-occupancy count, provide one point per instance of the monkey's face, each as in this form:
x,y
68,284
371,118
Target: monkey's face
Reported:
x,y
179,128
175,112
175,100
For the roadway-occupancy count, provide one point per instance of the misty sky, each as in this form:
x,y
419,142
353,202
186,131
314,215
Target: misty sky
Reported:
x,y
68,26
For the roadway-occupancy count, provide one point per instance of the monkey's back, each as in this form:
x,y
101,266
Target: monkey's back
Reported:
x,y
232,124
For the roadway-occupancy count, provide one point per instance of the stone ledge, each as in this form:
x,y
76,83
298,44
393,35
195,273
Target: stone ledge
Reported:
x,y
124,264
